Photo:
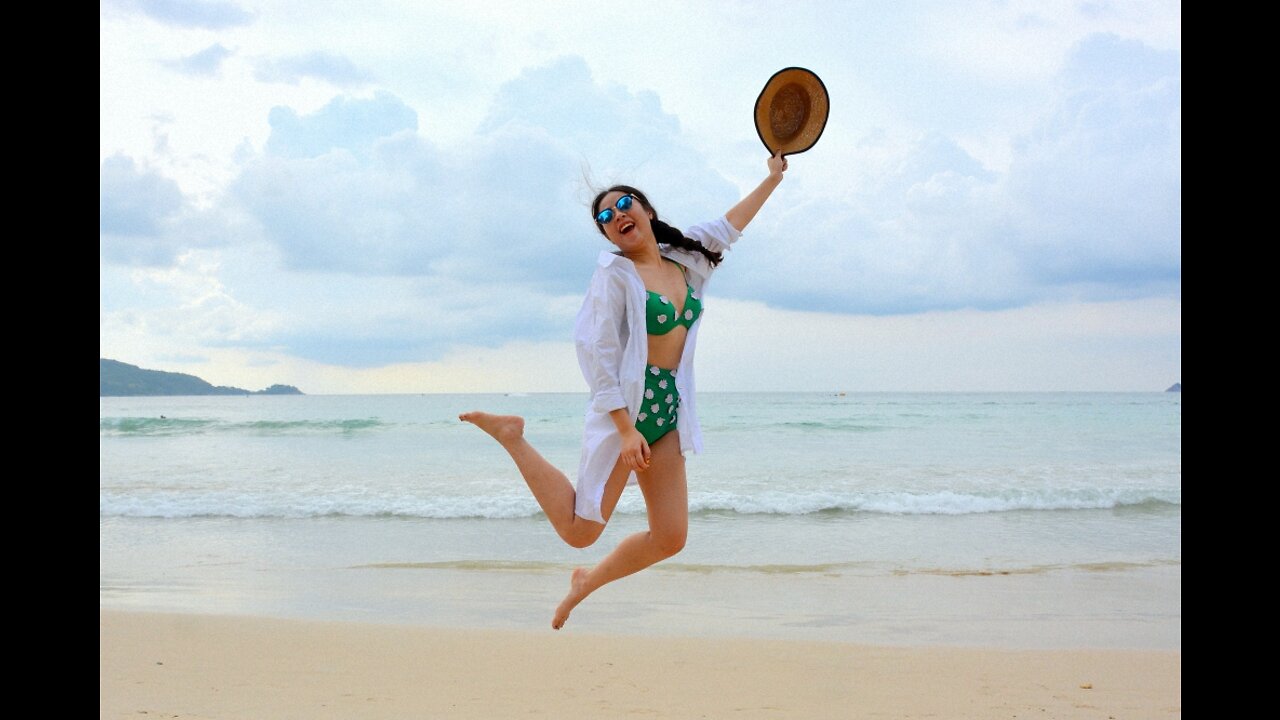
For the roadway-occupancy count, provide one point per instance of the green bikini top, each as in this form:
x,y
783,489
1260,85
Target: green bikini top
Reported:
x,y
661,313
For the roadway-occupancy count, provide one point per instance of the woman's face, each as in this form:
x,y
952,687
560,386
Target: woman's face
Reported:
x,y
628,229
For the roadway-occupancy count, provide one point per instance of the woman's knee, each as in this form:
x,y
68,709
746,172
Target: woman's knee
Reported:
x,y
582,533
670,540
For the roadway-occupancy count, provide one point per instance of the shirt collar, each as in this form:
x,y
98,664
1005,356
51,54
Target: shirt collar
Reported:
x,y
608,258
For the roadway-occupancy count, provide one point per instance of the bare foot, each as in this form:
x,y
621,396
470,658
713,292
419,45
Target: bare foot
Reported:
x,y
577,591
503,428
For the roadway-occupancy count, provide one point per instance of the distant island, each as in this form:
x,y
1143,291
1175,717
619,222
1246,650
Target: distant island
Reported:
x,y
1176,387
117,379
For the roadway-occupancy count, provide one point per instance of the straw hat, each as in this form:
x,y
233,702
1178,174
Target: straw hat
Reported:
x,y
791,111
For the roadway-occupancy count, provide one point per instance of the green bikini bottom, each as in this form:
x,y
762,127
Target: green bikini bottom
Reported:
x,y
658,409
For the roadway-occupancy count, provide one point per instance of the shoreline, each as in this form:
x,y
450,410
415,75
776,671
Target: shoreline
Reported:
x,y
230,666
321,570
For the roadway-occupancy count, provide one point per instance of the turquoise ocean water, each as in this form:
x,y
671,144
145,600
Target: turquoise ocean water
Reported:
x,y
1003,519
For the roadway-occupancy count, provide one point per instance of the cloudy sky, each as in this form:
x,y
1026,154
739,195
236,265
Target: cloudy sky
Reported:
x,y
392,196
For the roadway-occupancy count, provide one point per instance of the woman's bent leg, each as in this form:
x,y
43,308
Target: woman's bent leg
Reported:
x,y
550,487
666,494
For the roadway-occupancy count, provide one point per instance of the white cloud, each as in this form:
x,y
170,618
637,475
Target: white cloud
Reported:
x,y
347,123
1097,189
166,318
137,211
134,201
208,14
330,67
206,62
146,220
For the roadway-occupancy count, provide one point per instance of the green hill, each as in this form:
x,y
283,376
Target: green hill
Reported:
x,y
122,379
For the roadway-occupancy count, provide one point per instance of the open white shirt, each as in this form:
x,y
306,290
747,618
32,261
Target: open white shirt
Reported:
x,y
613,347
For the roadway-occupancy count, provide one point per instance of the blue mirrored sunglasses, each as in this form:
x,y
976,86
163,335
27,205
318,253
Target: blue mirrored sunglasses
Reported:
x,y
605,216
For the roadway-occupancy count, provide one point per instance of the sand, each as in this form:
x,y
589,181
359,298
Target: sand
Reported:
x,y
204,666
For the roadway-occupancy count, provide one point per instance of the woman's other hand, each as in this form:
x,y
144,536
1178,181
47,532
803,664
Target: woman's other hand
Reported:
x,y
635,450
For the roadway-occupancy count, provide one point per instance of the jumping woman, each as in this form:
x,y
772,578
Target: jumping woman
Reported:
x,y
642,415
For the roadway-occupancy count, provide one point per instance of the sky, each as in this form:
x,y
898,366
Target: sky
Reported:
x,y
392,197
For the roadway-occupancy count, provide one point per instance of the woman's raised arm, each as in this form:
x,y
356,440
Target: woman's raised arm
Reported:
x,y
740,215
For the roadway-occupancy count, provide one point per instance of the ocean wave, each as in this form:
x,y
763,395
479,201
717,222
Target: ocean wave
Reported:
x,y
1092,567
319,503
537,566
933,503
149,426
836,425
247,505
828,568
840,425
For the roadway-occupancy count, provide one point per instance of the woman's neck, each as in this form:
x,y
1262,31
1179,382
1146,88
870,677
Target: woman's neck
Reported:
x,y
648,255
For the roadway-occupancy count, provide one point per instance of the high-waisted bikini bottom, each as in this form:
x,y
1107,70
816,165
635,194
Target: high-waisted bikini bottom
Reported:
x,y
658,410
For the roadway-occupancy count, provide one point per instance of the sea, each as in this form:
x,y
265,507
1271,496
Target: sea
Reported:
x,y
1036,520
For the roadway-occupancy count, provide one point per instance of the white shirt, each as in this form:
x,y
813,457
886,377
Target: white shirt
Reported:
x,y
613,348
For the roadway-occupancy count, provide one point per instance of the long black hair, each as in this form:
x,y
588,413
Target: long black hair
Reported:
x,y
662,232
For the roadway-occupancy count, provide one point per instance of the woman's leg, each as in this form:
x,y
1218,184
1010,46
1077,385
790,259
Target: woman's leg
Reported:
x,y
550,487
666,494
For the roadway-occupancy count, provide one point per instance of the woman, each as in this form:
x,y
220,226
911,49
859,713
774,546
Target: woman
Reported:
x,y
642,415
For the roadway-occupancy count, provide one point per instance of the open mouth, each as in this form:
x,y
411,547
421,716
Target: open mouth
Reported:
x,y
626,227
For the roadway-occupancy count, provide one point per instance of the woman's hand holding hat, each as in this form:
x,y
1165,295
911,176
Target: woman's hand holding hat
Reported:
x,y
777,164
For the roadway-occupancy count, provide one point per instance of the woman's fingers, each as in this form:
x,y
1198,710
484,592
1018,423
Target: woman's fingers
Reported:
x,y
635,452
777,163
640,461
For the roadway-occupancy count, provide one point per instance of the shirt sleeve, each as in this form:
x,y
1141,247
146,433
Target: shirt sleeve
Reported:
x,y
598,337
716,235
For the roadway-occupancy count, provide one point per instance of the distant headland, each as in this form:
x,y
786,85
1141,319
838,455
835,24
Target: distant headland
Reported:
x,y
117,379
1176,387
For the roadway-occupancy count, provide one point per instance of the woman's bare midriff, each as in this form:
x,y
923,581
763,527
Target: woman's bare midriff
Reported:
x,y
665,350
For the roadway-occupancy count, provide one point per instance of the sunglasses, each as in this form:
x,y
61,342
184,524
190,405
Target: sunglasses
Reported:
x,y
605,216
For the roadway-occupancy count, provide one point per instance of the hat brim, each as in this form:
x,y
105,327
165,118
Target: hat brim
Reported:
x,y
791,111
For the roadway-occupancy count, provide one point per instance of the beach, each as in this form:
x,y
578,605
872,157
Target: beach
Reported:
x,y
880,555
206,666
